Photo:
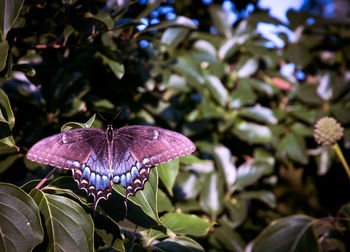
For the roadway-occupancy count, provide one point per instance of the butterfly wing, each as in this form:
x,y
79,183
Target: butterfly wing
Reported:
x,y
137,148
85,152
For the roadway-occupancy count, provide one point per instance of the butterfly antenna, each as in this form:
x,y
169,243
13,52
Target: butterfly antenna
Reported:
x,y
104,119
116,116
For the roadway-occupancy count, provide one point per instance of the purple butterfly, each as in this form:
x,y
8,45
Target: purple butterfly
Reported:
x,y
100,158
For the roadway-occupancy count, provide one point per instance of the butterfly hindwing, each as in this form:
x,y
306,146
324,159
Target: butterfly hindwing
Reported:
x,y
84,151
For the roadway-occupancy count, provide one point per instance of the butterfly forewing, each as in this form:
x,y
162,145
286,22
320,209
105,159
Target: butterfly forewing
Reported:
x,y
152,146
68,149
149,146
99,158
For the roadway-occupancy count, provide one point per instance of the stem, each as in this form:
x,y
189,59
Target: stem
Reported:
x,y
342,159
44,179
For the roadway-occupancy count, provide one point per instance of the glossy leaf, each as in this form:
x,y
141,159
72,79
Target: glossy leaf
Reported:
x,y
220,20
104,18
4,50
146,198
307,94
259,113
9,11
168,173
7,162
6,111
241,96
7,122
179,21
228,48
75,125
293,233
294,147
217,89
225,163
260,86
205,47
182,243
228,238
68,226
115,65
187,185
211,197
253,133
237,210
250,172
164,203
189,68
248,67
263,195
186,224
172,37
20,224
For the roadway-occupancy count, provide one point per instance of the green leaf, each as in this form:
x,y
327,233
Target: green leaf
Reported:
x,y
179,21
307,94
298,53
20,225
220,20
102,17
172,37
109,240
189,67
301,129
168,172
293,233
229,239
217,89
115,65
182,243
9,11
186,224
6,111
225,162
69,227
258,85
146,198
237,210
252,133
263,195
250,172
205,47
247,68
77,125
8,161
241,96
228,48
188,185
7,121
294,146
151,6
164,203
259,113
212,195
4,50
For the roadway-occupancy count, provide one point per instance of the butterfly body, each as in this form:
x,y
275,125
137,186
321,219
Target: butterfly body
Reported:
x,y
100,158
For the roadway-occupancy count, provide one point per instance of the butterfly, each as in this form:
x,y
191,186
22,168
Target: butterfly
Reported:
x,y
100,158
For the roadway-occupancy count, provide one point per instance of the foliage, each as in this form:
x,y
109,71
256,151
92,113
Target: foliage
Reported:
x,y
256,182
